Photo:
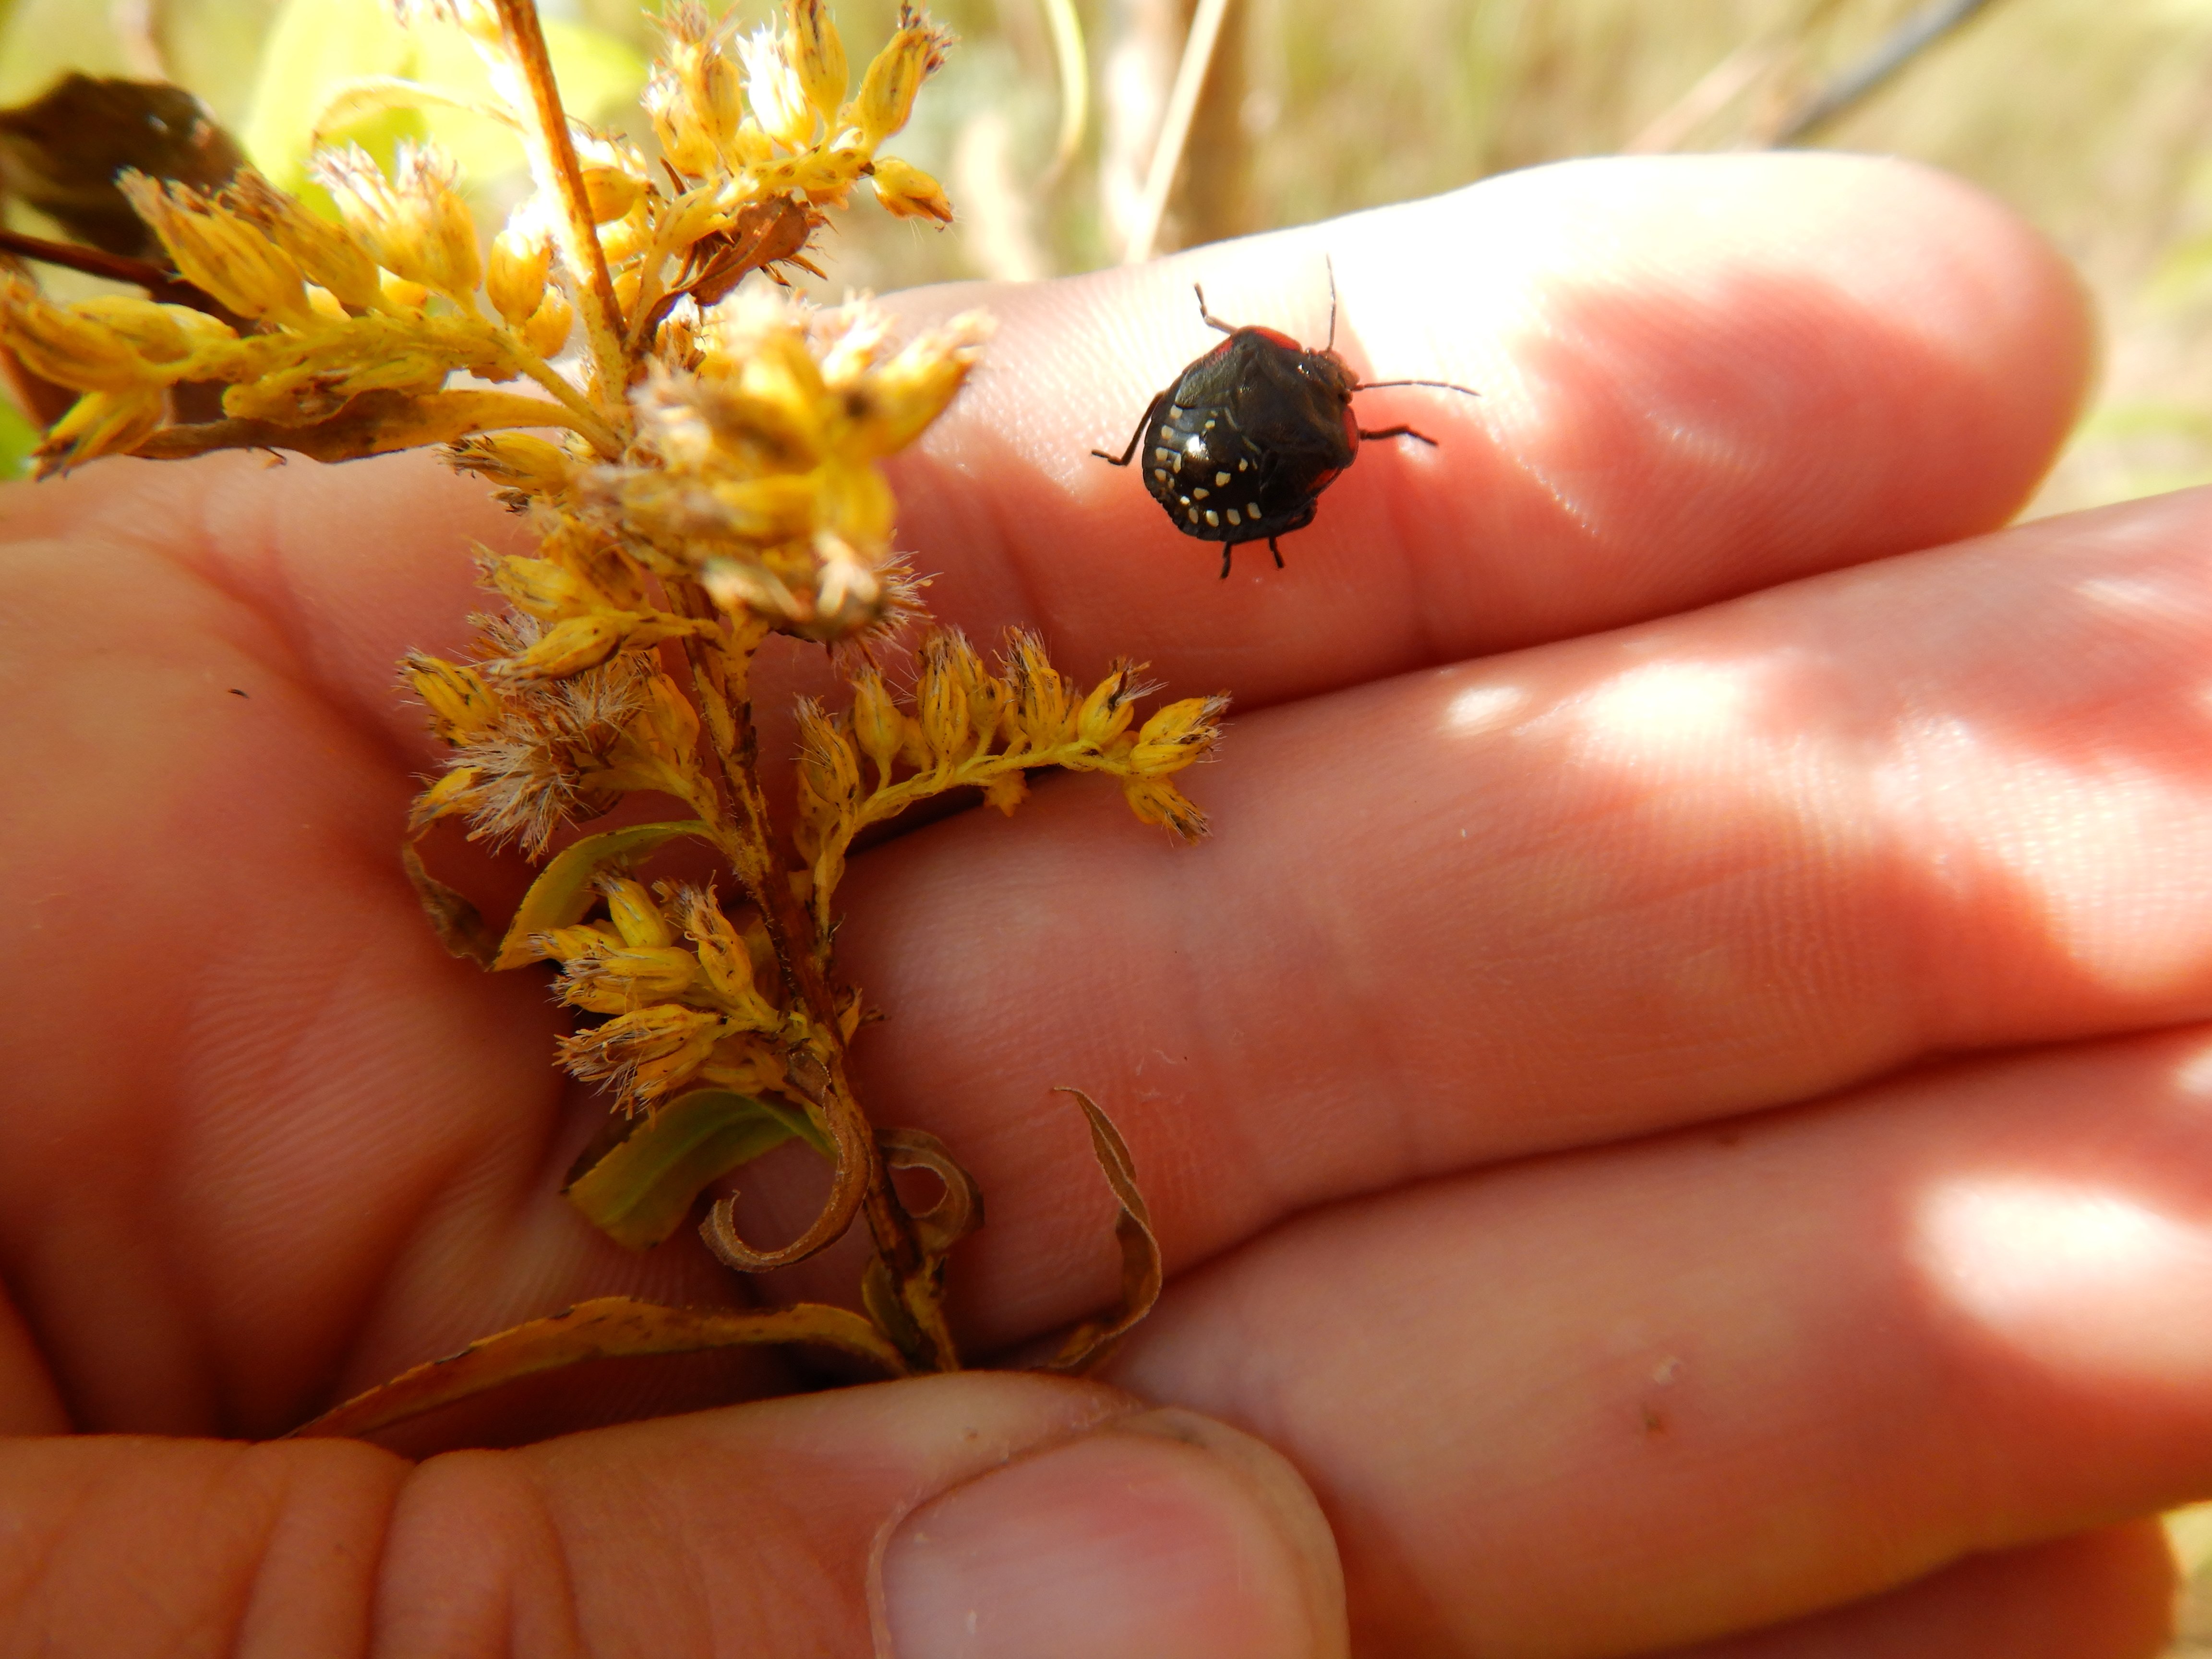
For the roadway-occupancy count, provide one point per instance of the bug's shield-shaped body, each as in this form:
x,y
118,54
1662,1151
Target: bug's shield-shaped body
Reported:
x,y
1238,449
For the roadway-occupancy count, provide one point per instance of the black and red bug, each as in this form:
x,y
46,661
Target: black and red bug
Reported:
x,y
1239,448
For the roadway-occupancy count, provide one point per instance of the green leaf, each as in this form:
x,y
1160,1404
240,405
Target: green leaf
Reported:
x,y
314,46
317,46
563,892
18,438
641,1190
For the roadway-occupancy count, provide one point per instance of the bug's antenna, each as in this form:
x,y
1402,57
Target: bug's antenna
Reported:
x,y
1369,386
1329,264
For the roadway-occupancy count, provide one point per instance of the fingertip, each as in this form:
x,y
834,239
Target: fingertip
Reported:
x,y
1166,1534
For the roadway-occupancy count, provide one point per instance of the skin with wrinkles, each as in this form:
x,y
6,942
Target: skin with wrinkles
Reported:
x,y
1675,1097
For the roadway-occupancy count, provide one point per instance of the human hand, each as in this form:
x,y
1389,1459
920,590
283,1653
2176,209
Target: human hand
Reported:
x,y
1536,1083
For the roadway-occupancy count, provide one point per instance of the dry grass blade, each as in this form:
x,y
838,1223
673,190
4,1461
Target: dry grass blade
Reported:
x,y
1175,127
1089,1344
1073,62
606,1327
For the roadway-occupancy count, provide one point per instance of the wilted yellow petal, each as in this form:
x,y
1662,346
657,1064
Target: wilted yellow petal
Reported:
x,y
818,55
908,192
514,276
887,92
1177,735
461,706
326,252
71,349
99,423
219,253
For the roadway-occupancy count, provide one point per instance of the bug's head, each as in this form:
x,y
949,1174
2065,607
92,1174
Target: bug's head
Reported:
x,y
1330,372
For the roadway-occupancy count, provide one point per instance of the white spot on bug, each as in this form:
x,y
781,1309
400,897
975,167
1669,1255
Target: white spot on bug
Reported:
x,y
1233,519
1201,492
1164,454
1208,426
1242,464
1213,518
1192,514
1220,478
1161,473
1167,434
1185,501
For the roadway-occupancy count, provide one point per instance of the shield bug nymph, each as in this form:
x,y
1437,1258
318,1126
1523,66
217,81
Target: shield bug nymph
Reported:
x,y
1240,446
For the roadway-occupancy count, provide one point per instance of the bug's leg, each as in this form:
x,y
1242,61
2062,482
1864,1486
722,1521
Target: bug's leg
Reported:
x,y
1137,437
1211,320
1394,432
1277,551
1228,552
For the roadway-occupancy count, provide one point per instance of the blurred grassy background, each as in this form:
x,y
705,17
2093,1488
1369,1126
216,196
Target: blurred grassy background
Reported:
x,y
2092,118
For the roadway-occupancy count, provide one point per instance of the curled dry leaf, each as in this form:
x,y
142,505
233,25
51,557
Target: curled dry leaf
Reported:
x,y
458,923
1090,1343
958,1211
606,1327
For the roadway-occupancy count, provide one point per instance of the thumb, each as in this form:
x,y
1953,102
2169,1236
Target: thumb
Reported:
x,y
979,1516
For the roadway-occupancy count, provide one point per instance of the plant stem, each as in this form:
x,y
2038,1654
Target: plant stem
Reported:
x,y
553,160
863,1178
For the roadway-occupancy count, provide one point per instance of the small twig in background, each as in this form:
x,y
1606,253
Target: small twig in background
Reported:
x,y
1074,65
1717,88
1911,38
1175,127
138,35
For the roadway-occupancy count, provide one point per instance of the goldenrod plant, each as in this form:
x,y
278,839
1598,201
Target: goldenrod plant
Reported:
x,y
698,456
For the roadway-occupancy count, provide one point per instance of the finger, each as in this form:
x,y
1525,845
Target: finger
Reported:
x,y
1757,1371
1722,862
984,1517
1698,376
2104,1595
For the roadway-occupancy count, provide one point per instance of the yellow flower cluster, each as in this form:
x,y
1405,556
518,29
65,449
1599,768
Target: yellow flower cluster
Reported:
x,y
755,467
384,305
802,133
318,314
965,727
533,754
684,986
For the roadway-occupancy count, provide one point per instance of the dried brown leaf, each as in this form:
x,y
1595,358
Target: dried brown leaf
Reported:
x,y
606,1327
458,923
62,151
1090,1343
372,424
958,1211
